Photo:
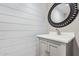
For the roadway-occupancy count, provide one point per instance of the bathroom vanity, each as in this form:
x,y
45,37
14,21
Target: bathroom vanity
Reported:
x,y
58,43
53,44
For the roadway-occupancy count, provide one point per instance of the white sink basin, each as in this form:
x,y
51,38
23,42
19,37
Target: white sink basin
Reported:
x,y
65,37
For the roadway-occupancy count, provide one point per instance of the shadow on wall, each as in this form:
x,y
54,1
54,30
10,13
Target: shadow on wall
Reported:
x,y
75,48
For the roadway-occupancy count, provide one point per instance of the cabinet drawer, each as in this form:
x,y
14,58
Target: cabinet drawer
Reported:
x,y
51,41
43,41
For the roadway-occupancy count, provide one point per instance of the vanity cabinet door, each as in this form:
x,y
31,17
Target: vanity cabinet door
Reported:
x,y
57,50
44,48
53,50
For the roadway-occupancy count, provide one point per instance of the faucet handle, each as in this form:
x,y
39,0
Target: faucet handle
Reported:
x,y
58,31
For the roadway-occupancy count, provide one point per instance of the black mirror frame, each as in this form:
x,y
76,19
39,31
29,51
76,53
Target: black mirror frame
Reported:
x,y
72,15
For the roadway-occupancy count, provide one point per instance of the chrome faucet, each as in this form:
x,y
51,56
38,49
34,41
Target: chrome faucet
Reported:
x,y
58,32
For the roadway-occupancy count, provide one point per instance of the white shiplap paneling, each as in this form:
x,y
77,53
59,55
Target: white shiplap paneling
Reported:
x,y
19,25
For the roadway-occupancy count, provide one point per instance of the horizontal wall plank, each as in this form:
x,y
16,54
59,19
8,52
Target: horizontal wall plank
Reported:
x,y
19,25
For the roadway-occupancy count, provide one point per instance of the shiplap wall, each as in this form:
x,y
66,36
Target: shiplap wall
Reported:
x,y
19,25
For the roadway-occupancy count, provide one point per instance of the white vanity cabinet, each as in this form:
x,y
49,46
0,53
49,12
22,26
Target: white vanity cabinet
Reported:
x,y
51,47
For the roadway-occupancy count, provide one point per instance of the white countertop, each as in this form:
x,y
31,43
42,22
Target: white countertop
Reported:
x,y
65,37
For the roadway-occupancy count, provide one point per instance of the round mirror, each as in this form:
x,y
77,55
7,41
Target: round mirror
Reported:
x,y
63,14
61,11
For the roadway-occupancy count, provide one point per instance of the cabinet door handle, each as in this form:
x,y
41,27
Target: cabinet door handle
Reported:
x,y
53,46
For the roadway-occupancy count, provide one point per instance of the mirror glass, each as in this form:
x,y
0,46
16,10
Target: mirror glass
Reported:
x,y
60,13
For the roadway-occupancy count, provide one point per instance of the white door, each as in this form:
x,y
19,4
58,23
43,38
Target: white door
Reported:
x,y
57,50
44,48
53,50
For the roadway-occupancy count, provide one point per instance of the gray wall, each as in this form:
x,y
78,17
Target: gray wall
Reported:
x,y
73,27
19,25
